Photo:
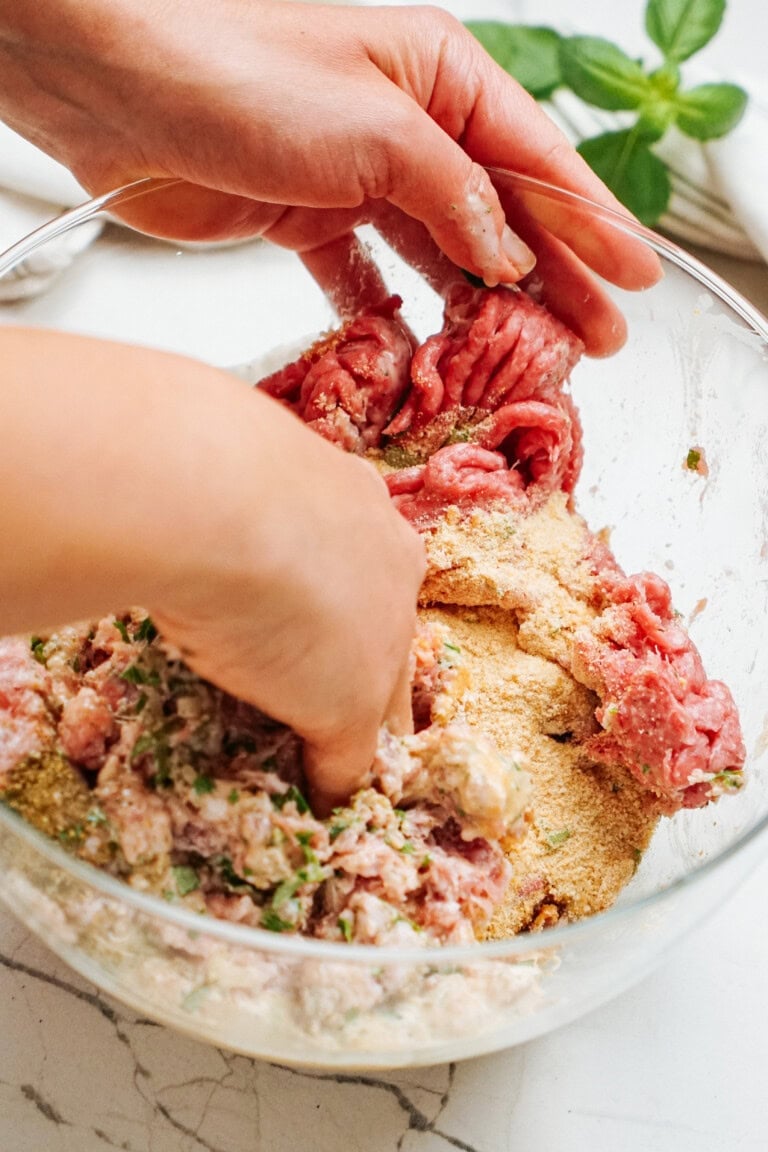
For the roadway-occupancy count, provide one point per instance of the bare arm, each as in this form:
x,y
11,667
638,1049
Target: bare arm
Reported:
x,y
274,561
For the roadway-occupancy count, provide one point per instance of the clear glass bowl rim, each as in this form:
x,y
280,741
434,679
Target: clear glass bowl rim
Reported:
x,y
300,947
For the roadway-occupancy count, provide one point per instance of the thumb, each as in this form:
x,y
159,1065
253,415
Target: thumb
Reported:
x,y
432,179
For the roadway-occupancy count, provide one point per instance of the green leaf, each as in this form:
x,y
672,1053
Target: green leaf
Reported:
x,y
37,648
710,110
122,630
555,839
681,27
292,794
274,923
626,164
203,785
529,54
602,74
186,879
146,630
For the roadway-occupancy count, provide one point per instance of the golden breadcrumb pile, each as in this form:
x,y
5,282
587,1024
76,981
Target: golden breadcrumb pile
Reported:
x,y
512,590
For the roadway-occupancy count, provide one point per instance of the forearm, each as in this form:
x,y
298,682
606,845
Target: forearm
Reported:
x,y
125,475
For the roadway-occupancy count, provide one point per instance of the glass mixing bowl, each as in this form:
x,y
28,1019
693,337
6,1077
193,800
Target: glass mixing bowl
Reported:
x,y
693,372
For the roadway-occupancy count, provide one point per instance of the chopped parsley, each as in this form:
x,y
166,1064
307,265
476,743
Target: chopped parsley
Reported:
x,y
122,630
274,923
555,839
407,848
146,631
203,785
96,817
345,927
136,675
693,459
451,647
730,779
37,648
187,880
145,743
337,829
233,797
292,794
141,703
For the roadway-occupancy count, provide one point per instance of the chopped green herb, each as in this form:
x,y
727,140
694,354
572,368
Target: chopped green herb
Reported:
x,y
451,647
233,797
136,675
273,923
555,839
122,630
345,927
730,779
645,769
37,647
96,817
292,794
337,829
141,703
637,855
407,849
144,744
71,835
187,880
146,630
203,785
693,459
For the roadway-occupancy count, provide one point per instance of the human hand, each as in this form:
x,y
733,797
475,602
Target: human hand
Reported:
x,y
277,564
297,123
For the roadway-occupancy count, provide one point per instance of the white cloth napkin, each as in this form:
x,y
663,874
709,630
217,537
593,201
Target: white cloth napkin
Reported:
x,y
718,190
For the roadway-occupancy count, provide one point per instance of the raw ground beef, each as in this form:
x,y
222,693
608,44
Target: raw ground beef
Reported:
x,y
112,744
486,407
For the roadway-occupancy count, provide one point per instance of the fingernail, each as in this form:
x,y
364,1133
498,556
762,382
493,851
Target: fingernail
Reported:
x,y
517,251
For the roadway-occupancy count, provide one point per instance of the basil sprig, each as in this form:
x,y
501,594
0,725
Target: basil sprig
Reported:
x,y
602,74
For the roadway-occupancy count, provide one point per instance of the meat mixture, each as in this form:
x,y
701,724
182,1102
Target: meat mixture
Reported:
x,y
561,709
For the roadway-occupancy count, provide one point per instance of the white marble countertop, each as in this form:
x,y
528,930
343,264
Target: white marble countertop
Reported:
x,y
678,1063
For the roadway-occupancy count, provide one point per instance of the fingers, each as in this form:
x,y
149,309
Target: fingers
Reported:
x,y
347,275
570,291
337,767
399,717
436,182
500,126
599,242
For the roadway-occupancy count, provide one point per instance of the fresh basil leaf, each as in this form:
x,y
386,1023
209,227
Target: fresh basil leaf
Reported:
x,y
681,27
710,110
530,54
600,73
624,161
654,120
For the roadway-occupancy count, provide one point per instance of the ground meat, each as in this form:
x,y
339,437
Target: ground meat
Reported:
x,y
24,688
186,792
530,631
348,385
677,731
